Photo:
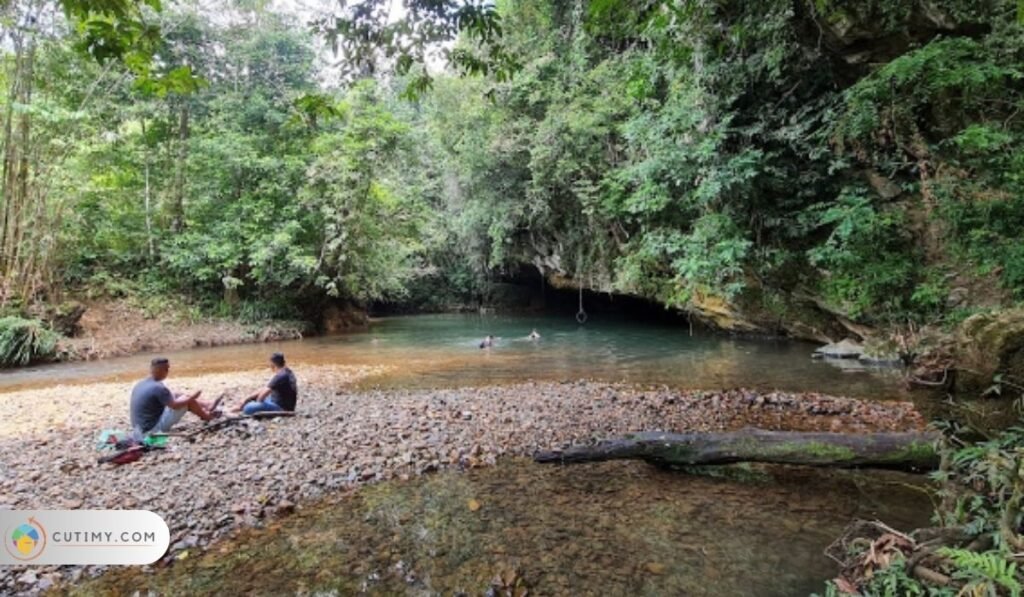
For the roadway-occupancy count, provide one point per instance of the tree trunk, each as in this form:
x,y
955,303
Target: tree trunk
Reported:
x,y
149,214
16,164
905,451
178,213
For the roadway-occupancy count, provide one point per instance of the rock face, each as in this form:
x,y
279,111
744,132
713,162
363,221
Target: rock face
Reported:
x,y
990,344
859,36
724,315
761,311
757,309
339,318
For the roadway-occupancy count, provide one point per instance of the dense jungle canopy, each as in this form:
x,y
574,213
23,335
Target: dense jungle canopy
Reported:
x,y
810,168
799,166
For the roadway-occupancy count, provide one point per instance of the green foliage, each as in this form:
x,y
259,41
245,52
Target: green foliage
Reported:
x,y
983,483
942,119
366,236
366,28
981,487
679,151
288,194
868,256
24,341
893,581
985,573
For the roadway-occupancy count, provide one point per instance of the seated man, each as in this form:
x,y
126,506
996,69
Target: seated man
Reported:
x,y
280,393
154,409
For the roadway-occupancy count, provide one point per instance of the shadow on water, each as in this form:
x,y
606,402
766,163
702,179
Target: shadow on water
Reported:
x,y
600,529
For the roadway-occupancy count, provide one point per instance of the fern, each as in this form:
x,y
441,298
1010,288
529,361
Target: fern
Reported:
x,y
23,341
984,572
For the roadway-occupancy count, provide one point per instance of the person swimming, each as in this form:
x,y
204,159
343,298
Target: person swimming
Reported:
x,y
487,342
534,335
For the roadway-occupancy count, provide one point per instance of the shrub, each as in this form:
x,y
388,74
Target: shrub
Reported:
x,y
23,341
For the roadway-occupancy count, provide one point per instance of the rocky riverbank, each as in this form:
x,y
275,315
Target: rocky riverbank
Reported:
x,y
245,474
119,328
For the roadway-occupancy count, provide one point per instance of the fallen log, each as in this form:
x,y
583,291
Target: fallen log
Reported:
x,y
905,451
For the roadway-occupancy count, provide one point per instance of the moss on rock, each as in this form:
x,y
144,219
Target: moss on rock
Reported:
x,y
990,344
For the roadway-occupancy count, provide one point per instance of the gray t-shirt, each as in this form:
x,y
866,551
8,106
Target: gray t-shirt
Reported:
x,y
149,398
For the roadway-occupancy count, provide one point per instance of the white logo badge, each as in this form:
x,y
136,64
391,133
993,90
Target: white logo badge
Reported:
x,y
82,537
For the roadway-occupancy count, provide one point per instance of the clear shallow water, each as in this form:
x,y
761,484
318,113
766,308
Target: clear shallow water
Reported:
x,y
602,529
442,350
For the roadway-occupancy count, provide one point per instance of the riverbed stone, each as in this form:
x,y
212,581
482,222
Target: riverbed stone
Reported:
x,y
222,481
844,349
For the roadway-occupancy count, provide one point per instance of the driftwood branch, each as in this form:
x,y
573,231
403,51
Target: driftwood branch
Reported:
x,y
907,451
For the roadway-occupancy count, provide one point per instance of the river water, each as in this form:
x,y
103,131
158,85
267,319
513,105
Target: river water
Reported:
x,y
441,351
598,529
605,529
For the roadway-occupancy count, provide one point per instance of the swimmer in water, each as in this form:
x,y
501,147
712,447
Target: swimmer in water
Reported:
x,y
487,342
534,335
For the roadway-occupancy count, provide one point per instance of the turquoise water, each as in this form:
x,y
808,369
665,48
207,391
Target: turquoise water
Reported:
x,y
442,350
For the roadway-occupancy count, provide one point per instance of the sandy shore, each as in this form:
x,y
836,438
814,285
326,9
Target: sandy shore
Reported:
x,y
246,473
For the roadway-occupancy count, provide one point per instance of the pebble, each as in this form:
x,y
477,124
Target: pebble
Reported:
x,y
655,567
234,477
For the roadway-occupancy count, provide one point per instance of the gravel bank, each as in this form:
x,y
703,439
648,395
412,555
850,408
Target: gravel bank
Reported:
x,y
246,473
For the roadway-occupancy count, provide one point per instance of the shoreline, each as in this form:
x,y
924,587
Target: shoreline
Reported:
x,y
343,438
137,334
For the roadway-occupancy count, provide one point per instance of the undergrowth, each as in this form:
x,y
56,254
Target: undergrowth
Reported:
x,y
24,341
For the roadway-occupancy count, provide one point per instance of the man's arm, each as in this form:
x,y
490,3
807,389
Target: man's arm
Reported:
x,y
261,393
257,395
183,400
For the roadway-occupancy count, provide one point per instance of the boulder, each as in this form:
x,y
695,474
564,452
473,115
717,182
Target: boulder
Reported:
x,y
845,349
764,311
957,296
988,344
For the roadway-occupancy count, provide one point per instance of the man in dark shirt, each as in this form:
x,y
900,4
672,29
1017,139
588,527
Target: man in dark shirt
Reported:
x,y
154,408
280,393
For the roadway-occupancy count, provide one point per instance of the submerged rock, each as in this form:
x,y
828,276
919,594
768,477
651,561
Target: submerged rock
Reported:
x,y
880,360
880,353
845,349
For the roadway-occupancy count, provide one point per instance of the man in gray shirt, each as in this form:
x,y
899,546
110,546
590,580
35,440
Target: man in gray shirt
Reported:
x,y
155,409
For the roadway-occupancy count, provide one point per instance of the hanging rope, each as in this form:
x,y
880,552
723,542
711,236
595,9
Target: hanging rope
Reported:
x,y
581,315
